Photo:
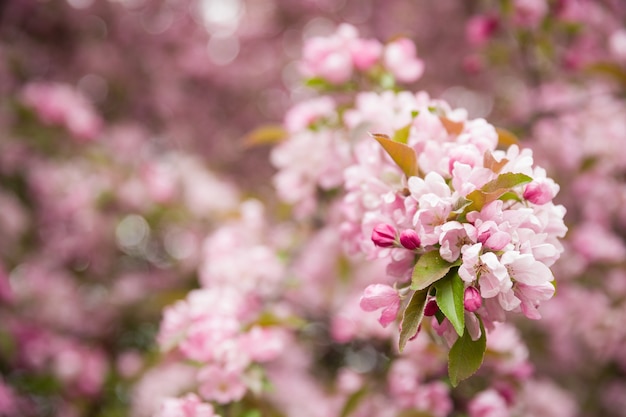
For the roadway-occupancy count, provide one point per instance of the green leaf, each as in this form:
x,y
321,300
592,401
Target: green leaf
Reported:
x,y
352,402
318,82
506,181
404,156
387,81
429,268
412,317
459,208
402,135
450,300
509,195
466,356
495,189
610,69
252,413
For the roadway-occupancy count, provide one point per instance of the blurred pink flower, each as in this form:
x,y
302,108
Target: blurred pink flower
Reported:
x,y
488,403
221,385
529,13
400,58
330,57
379,296
188,406
60,104
479,29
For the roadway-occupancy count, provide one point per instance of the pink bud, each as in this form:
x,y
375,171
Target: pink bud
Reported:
x,y
472,300
384,235
409,239
479,29
538,192
377,296
431,308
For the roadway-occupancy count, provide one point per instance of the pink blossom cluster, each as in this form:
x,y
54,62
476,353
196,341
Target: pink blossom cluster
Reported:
x,y
62,105
336,58
503,248
220,326
431,182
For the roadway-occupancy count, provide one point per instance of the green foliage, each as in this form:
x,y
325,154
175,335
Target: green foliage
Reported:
x,y
402,135
412,317
318,83
430,267
495,189
466,356
353,402
450,300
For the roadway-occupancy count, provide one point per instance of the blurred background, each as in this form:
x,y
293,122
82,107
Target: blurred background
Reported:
x,y
123,132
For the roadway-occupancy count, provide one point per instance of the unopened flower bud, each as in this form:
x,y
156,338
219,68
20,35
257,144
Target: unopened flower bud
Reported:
x,y
409,239
384,235
472,300
431,308
538,193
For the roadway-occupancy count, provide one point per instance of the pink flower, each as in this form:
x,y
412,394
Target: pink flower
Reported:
x,y
188,406
492,237
384,235
435,398
60,104
472,300
365,53
479,29
377,296
221,385
524,268
488,403
454,236
617,44
540,192
9,401
263,344
531,296
409,239
400,57
528,13
303,115
330,57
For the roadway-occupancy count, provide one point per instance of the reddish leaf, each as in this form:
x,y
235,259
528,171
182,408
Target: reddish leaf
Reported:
x,y
490,162
404,156
452,127
265,135
506,138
